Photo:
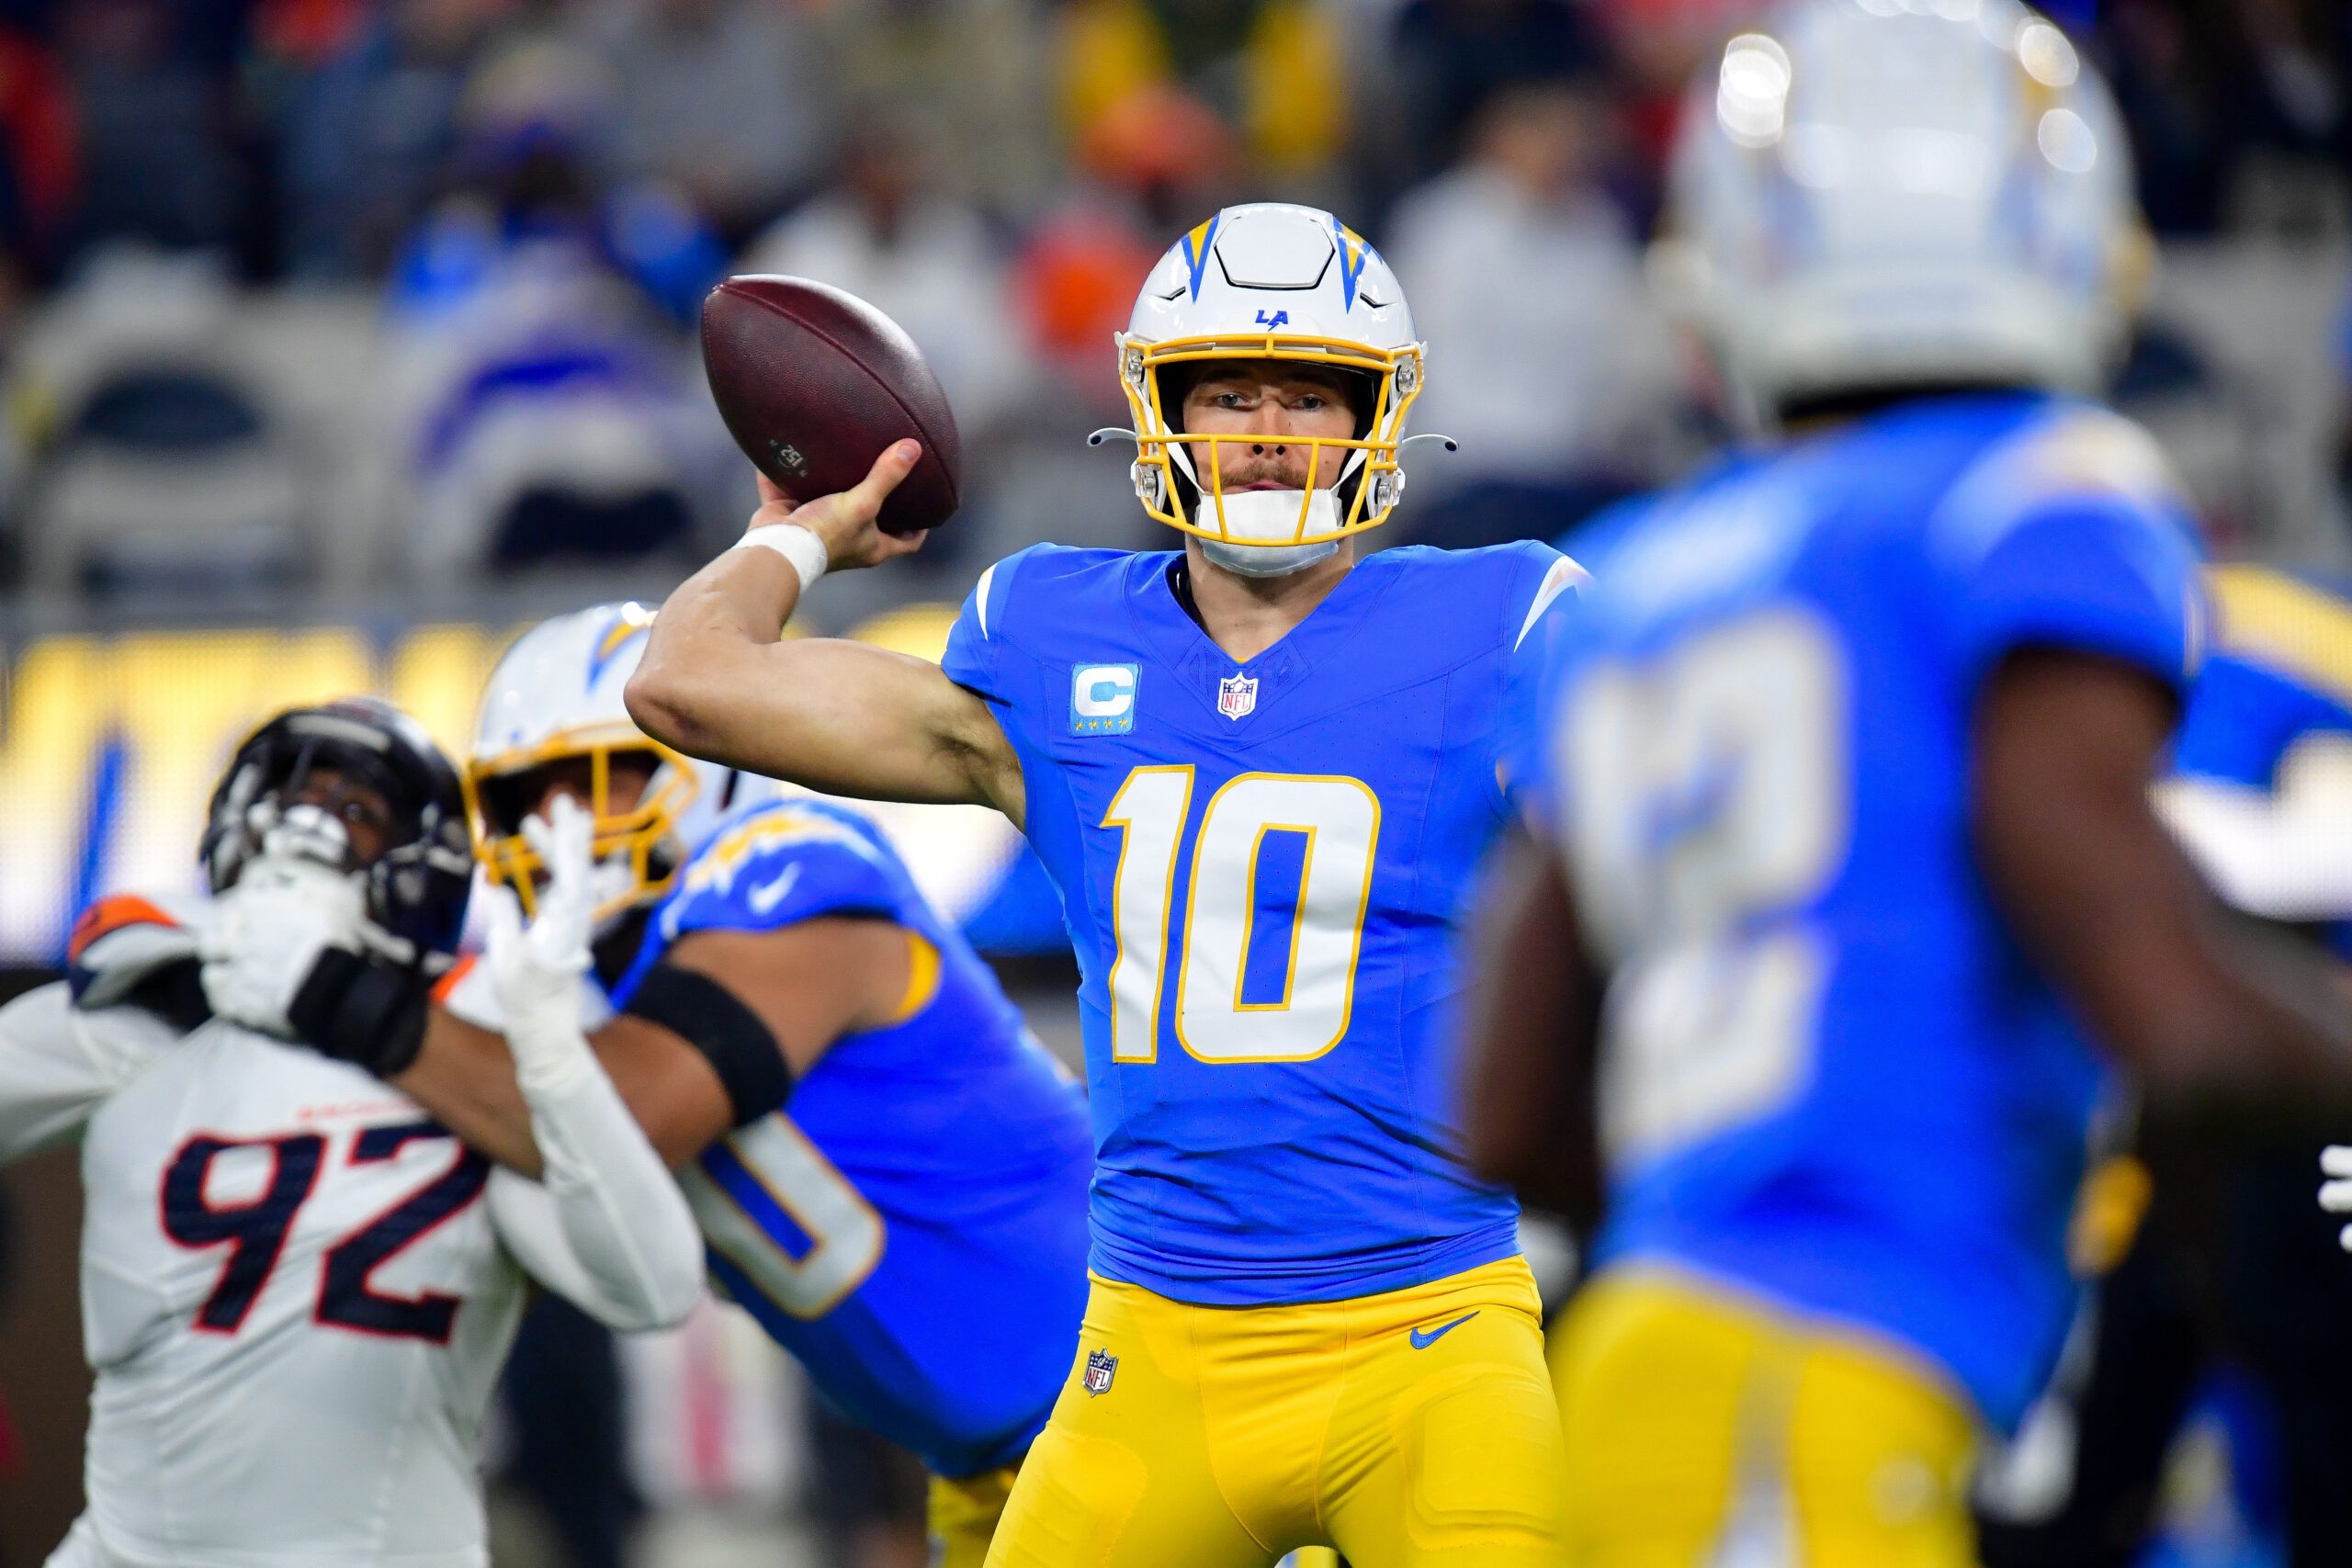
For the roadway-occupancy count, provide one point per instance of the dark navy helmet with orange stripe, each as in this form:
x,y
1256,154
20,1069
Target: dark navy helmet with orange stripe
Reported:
x,y
416,879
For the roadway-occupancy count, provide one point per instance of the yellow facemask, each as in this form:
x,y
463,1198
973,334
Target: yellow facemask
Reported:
x,y
637,843
1397,373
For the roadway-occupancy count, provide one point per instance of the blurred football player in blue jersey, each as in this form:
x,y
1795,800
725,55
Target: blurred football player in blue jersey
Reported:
x,y
1259,769
889,1173
2233,1266
1843,855
2261,787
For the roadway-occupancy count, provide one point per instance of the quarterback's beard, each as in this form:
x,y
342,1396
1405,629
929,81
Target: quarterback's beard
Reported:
x,y
1273,514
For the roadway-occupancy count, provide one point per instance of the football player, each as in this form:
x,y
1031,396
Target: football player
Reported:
x,y
1258,769
2261,789
296,1288
1843,852
2260,796
891,1174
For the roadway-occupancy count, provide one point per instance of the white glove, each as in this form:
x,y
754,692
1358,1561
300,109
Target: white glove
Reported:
x,y
470,997
263,936
534,971
2335,1196
607,1225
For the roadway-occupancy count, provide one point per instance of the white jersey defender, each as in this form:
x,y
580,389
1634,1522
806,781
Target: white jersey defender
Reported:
x,y
297,1289
297,1293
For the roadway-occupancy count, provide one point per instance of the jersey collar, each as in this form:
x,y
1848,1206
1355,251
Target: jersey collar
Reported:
x,y
1281,669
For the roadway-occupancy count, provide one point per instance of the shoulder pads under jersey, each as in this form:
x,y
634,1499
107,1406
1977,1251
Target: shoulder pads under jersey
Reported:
x,y
130,951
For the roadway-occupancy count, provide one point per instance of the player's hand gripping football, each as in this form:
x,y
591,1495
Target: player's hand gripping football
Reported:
x,y
844,521
536,970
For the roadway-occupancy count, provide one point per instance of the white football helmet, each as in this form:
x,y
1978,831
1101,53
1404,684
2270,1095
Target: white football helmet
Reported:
x,y
1885,192
555,695
1272,281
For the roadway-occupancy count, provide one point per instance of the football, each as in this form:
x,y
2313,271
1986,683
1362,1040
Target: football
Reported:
x,y
814,383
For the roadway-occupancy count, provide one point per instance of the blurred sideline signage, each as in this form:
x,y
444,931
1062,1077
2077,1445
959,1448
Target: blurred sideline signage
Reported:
x,y
110,746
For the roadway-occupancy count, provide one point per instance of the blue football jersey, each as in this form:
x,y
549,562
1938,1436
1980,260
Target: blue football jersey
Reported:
x,y
2279,676
912,1226
1260,865
1829,1075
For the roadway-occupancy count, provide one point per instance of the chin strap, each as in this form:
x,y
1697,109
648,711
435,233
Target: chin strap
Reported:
x,y
1267,560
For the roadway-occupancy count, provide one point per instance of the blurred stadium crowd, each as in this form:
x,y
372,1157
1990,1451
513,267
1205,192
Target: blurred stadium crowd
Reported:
x,y
380,312
397,294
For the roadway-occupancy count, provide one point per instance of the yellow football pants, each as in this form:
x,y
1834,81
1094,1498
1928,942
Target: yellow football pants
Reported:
x,y
1410,1429
964,1516
1697,1421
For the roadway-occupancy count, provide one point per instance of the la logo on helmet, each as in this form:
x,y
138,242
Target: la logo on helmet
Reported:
x,y
1279,319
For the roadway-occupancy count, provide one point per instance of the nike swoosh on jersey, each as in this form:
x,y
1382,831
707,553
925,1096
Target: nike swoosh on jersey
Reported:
x,y
1423,1341
768,895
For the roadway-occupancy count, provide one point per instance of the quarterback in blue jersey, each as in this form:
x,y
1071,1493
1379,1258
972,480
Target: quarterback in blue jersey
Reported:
x,y
889,1172
1844,887
1260,770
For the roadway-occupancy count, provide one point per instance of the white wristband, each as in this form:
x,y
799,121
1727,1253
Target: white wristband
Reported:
x,y
796,544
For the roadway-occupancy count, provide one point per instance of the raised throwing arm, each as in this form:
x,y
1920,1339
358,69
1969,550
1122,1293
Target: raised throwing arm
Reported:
x,y
835,716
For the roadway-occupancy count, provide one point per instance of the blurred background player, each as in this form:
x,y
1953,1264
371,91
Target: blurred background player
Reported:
x,y
863,1126
1840,799
2231,1271
1309,1324
299,1287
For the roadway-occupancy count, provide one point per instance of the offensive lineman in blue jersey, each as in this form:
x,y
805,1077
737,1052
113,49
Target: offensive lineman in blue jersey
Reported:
x,y
1839,800
1259,771
889,1173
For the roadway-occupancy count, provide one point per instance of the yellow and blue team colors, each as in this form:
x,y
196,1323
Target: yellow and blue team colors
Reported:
x,y
1416,1425
2277,686
1837,1105
1704,1428
964,1516
1261,864
912,1226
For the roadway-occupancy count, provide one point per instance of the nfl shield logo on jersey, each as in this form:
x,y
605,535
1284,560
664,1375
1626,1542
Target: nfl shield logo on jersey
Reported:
x,y
1100,1368
1237,695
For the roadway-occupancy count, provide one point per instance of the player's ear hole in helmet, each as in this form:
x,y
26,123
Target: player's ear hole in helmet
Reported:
x,y
357,784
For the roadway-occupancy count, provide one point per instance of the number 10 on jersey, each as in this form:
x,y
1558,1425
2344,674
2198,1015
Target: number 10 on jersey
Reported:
x,y
1337,819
